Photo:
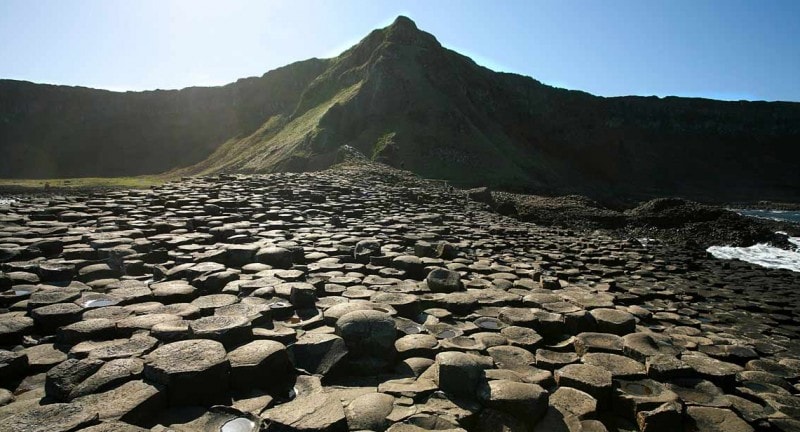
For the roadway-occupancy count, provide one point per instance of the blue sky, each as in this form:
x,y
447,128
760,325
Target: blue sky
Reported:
x,y
722,49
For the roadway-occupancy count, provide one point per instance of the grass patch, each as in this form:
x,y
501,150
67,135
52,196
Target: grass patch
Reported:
x,y
139,182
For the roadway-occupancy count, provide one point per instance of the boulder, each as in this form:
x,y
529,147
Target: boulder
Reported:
x,y
460,374
442,280
370,412
369,336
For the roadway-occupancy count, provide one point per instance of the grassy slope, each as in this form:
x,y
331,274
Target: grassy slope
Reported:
x,y
139,182
273,143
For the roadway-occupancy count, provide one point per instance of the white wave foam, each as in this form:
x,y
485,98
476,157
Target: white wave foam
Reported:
x,y
762,254
6,201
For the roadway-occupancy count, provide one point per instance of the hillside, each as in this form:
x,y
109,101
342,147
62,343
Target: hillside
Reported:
x,y
401,98
58,131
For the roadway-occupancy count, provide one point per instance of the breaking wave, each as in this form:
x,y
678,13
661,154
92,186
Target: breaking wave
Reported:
x,y
762,254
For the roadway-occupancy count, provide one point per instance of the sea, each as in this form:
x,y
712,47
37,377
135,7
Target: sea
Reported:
x,y
764,254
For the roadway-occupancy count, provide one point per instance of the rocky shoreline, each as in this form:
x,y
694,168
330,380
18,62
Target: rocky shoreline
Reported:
x,y
679,222
365,298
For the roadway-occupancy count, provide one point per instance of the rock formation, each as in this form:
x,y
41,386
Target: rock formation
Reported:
x,y
401,98
239,303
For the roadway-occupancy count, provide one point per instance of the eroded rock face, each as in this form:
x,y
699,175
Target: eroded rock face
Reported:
x,y
243,292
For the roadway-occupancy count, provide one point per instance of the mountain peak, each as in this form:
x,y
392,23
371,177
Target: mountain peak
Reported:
x,y
404,22
404,31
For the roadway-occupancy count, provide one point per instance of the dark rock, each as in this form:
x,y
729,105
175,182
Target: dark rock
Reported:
x,y
621,367
317,353
110,375
667,367
460,374
13,327
720,373
614,321
441,280
63,378
598,342
631,397
369,412
574,402
593,380
667,417
715,419
134,402
13,366
194,371
369,337
642,346
529,401
57,417
230,330
261,363
365,249
274,256
42,357
316,412
48,319
416,345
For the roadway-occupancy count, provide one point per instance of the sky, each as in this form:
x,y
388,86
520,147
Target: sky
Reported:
x,y
720,49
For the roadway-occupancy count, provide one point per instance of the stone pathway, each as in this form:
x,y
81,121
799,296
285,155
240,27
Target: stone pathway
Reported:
x,y
364,298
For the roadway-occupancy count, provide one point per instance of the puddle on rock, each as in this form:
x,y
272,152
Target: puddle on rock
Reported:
x,y
638,389
99,303
447,334
412,330
239,424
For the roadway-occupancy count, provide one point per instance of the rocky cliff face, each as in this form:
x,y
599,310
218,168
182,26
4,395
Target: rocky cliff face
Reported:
x,y
401,98
57,131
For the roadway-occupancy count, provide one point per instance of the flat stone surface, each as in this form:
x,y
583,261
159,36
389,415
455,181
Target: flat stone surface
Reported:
x,y
317,412
574,402
261,363
194,371
621,367
598,342
63,378
134,402
614,321
593,380
58,417
716,419
716,371
528,401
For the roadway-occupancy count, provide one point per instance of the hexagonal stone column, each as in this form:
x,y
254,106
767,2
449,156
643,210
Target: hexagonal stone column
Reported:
x,y
195,372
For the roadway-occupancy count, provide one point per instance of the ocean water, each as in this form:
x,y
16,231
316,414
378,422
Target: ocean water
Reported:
x,y
764,254
6,201
778,215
